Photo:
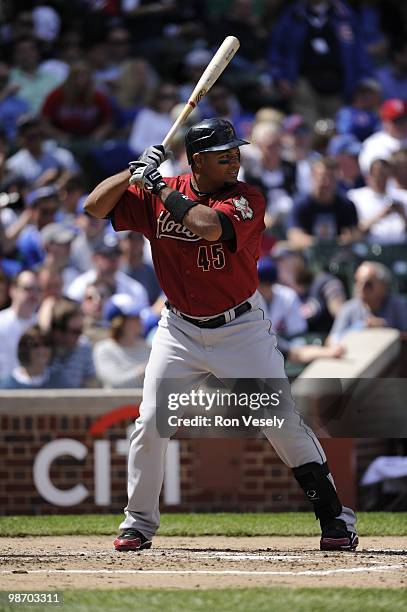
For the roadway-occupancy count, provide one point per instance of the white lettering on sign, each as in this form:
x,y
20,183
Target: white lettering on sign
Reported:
x,y
102,471
42,467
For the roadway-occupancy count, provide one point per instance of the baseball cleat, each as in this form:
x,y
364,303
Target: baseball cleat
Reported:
x,y
335,536
131,539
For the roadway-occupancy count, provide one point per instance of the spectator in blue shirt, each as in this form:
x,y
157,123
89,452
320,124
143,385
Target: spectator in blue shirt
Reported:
x,y
43,204
11,105
37,161
393,76
317,56
361,118
324,214
373,304
345,148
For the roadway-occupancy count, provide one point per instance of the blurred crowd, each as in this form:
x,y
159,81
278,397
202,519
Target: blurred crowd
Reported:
x,y
318,87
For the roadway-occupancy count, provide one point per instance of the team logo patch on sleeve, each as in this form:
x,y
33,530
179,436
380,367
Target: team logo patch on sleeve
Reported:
x,y
242,206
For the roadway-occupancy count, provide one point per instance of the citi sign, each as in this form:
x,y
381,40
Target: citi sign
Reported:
x,y
102,464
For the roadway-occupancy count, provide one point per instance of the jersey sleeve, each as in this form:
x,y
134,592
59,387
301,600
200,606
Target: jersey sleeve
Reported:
x,y
135,211
246,212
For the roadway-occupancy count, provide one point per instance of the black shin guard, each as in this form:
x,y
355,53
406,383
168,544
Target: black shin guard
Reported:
x,y
313,479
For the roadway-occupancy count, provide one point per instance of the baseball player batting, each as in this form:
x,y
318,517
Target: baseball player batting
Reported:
x,y
205,230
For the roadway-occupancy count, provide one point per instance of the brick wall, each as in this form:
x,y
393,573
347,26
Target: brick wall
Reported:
x,y
244,475
216,474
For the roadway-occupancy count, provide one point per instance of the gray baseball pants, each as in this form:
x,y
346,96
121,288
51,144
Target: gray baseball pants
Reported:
x,y
243,348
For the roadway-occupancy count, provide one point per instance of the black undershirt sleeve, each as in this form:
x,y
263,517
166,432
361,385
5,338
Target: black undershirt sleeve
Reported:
x,y
228,231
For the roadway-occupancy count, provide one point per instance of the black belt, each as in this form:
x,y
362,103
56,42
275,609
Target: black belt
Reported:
x,y
213,322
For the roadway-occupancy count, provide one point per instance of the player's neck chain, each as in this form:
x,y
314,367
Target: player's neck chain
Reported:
x,y
205,194
201,194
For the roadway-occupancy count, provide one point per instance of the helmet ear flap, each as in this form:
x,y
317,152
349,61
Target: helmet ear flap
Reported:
x,y
196,159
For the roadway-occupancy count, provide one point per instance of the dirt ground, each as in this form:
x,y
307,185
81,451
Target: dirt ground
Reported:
x,y
57,563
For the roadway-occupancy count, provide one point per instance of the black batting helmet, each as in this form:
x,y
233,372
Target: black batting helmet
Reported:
x,y
211,135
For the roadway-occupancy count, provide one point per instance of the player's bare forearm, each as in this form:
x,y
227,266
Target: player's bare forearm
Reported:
x,y
201,220
105,196
204,222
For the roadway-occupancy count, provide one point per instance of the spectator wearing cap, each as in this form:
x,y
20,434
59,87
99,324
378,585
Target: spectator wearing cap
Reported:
x,y
393,76
34,356
17,318
133,264
361,117
373,304
392,136
321,294
345,148
56,241
121,360
269,172
72,363
317,56
36,161
105,266
90,236
282,305
43,205
381,219
324,214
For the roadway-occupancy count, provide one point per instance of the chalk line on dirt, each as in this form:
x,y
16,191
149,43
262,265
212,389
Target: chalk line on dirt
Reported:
x,y
381,568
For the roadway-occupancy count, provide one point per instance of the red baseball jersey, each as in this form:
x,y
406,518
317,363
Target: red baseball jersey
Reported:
x,y
78,118
200,278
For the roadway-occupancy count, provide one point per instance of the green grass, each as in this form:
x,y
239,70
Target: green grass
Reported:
x,y
236,600
228,524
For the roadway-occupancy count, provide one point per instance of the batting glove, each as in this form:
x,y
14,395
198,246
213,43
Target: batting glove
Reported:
x,y
146,176
155,155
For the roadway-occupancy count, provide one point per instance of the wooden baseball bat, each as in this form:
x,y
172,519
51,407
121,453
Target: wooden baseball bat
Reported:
x,y
210,75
